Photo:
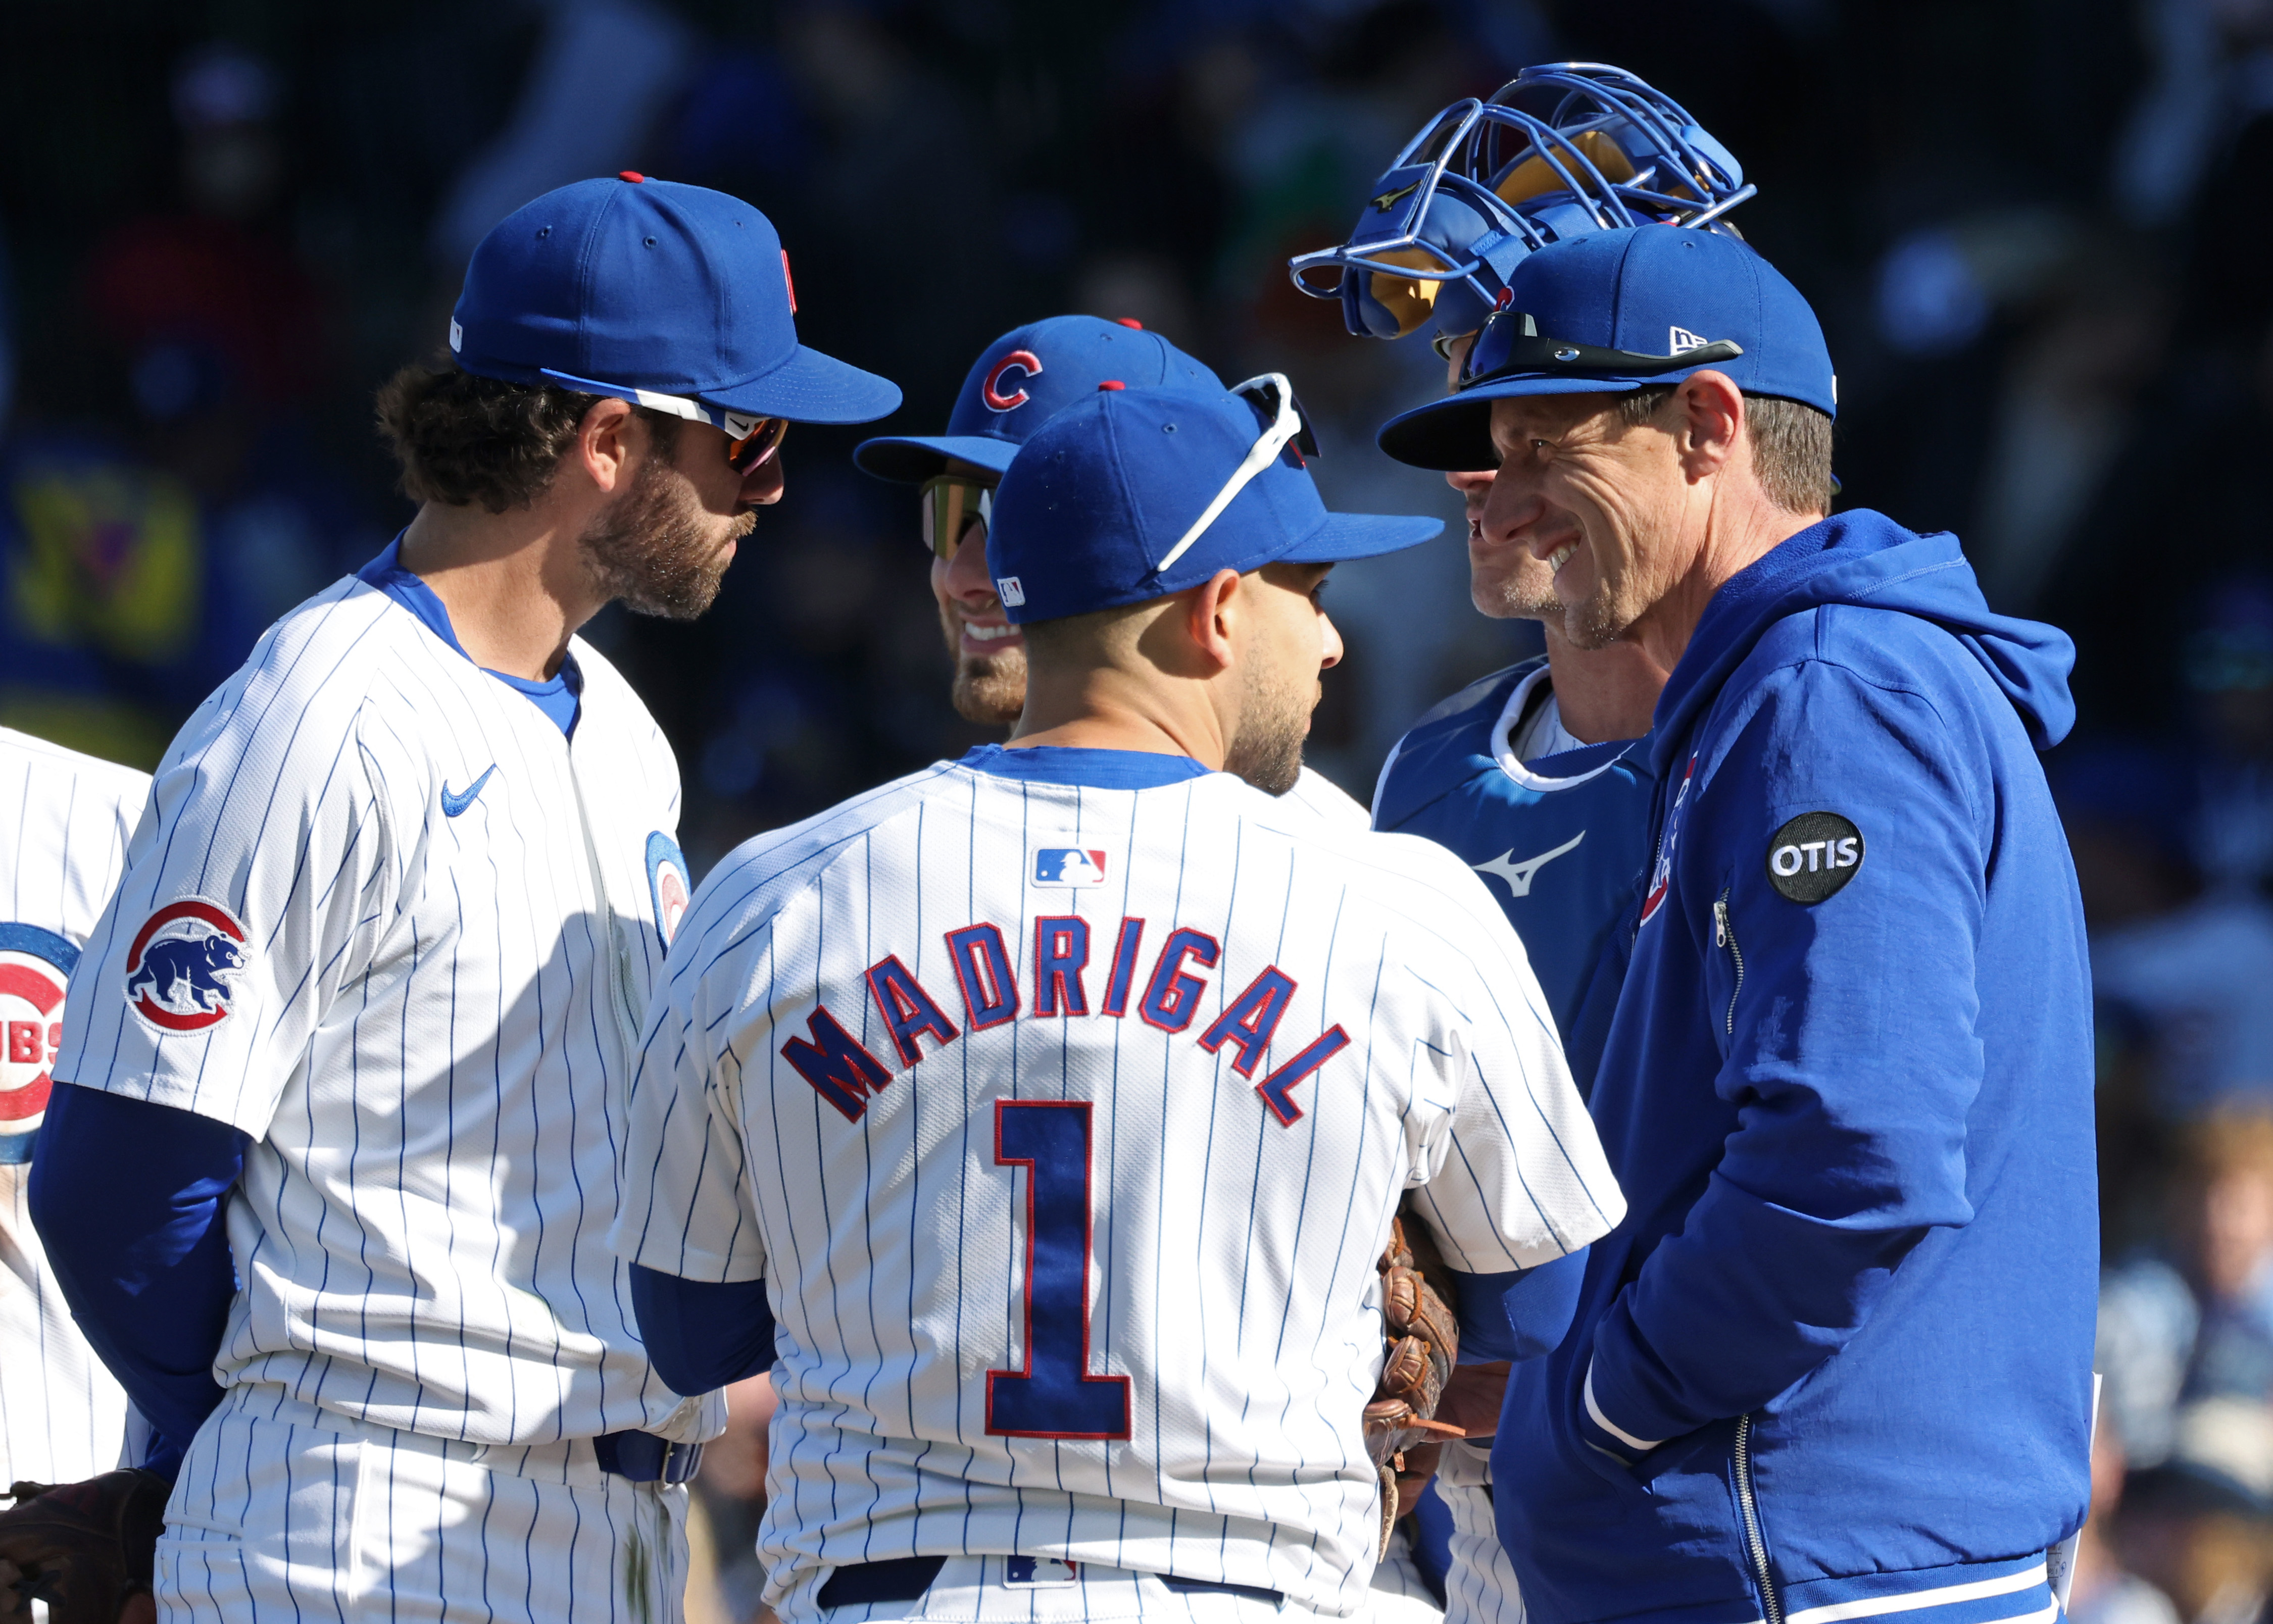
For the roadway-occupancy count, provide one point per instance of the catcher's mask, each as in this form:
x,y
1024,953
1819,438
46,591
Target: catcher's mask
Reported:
x,y
1559,151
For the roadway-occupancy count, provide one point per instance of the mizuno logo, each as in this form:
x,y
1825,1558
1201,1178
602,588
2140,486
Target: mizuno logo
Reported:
x,y
1388,197
452,804
1518,875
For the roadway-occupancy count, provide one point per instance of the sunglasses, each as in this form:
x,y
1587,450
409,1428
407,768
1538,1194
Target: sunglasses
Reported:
x,y
759,437
1274,396
1510,343
952,503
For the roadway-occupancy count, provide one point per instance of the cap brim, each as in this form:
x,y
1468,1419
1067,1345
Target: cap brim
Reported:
x,y
910,460
812,387
1361,535
1454,434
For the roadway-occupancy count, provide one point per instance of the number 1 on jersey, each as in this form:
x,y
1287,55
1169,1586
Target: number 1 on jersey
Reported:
x,y
1054,1396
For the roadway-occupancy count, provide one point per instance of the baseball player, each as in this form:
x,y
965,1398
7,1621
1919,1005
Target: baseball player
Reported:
x,y
376,963
1022,380
1529,774
65,820
1057,1188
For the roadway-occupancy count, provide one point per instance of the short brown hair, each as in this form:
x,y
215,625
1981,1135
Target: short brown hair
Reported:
x,y
1070,637
1791,445
463,438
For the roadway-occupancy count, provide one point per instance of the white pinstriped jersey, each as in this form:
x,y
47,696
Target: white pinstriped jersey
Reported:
x,y
1321,797
65,820
1066,1125
387,920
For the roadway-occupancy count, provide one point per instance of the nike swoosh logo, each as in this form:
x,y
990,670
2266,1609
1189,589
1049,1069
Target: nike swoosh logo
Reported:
x,y
452,804
1518,875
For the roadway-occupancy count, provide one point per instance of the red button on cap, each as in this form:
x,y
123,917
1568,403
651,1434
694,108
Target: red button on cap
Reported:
x,y
1112,383
633,176
1130,321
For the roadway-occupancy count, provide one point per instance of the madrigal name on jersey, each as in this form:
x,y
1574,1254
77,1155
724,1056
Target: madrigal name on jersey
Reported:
x,y
842,1072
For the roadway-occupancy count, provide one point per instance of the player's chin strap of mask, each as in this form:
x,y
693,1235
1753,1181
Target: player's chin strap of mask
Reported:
x,y
642,1457
1285,425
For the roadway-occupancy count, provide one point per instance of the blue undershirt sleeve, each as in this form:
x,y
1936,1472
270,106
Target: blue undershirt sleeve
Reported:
x,y
1522,1314
702,1334
128,1198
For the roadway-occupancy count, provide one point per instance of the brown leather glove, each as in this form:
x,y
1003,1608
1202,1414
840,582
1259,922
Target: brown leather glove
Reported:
x,y
1423,1342
83,1548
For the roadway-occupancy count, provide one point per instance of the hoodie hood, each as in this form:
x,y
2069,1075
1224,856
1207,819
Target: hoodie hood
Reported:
x,y
1866,559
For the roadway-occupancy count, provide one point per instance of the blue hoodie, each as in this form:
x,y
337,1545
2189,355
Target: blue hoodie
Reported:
x,y
1837,1360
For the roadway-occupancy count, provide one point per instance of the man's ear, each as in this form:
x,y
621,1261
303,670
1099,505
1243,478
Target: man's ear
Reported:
x,y
1711,419
606,442
1211,611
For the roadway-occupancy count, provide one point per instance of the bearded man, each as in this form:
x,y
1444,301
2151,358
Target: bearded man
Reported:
x,y
374,973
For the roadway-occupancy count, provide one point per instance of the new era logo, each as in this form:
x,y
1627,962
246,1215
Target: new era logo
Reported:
x,y
1684,340
1068,865
1008,590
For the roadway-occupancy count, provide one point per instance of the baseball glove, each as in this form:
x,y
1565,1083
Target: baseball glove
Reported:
x,y
1422,1343
83,1548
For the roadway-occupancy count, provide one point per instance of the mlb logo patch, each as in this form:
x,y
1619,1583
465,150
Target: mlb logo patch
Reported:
x,y
1068,865
1010,590
1039,1572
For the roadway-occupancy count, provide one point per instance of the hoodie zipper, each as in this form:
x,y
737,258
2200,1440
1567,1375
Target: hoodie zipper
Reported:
x,y
1770,1602
1724,935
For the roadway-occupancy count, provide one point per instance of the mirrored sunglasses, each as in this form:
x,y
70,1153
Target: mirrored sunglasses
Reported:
x,y
759,437
951,504
1510,343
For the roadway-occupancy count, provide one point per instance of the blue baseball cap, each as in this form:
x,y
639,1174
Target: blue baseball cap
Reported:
x,y
1026,377
1621,311
674,297
1105,505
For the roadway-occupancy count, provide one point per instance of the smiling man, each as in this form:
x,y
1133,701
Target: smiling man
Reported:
x,y
332,1116
1022,380
1836,1362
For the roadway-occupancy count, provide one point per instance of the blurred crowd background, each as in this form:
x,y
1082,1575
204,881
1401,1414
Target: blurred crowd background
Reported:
x,y
2038,232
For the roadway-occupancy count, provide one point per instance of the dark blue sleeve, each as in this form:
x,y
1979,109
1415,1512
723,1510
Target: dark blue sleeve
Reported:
x,y
702,1334
1522,1314
128,1197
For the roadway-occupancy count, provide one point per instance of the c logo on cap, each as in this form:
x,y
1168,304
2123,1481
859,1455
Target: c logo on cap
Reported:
x,y
1024,361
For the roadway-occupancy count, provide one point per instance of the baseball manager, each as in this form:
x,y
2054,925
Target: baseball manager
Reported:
x,y
1835,1363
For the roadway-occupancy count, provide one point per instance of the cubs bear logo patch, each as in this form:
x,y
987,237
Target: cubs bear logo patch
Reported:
x,y
34,967
182,969
668,885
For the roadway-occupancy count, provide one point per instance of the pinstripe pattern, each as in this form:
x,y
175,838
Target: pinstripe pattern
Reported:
x,y
285,1511
1231,1264
1481,1587
422,1041
65,821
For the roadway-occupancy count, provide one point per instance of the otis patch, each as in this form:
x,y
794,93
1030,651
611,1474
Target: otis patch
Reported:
x,y
35,965
179,970
1813,855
